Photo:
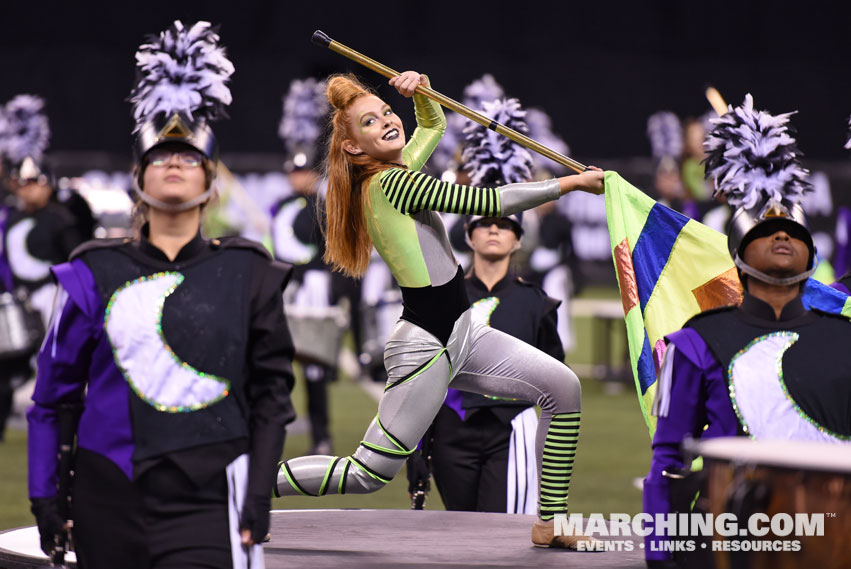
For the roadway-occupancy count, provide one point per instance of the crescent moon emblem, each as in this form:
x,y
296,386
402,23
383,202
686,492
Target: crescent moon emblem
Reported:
x,y
482,309
156,374
287,246
23,264
759,395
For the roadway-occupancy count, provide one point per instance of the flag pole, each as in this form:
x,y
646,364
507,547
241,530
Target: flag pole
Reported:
x,y
321,39
716,100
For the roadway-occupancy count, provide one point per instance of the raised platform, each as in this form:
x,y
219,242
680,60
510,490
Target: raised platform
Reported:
x,y
395,538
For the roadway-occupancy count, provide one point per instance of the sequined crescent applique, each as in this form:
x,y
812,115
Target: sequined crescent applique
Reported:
x,y
761,399
133,322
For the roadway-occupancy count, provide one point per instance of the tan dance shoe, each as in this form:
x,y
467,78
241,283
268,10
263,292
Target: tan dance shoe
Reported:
x,y
543,535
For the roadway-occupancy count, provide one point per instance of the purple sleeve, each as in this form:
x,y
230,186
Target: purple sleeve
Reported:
x,y
454,401
62,374
841,287
6,280
693,367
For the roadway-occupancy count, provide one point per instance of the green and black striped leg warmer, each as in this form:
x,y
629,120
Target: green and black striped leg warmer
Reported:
x,y
557,463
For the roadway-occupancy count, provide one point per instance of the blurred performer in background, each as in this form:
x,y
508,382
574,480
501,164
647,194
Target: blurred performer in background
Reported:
x,y
173,348
377,196
36,232
666,142
553,263
297,238
767,368
39,232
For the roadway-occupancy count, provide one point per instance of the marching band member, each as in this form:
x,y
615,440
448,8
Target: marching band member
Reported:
x,y
174,345
35,231
767,368
482,448
297,235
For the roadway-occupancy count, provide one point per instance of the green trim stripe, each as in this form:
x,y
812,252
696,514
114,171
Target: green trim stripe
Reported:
x,y
390,436
341,486
323,487
381,450
291,479
371,473
416,372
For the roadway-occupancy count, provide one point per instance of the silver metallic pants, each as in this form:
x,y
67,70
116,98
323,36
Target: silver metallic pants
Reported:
x,y
476,358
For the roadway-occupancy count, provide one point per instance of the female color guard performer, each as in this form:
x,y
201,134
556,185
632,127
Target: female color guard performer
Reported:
x,y
174,346
377,197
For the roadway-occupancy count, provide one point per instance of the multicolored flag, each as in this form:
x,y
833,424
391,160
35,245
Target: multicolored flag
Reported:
x,y
670,268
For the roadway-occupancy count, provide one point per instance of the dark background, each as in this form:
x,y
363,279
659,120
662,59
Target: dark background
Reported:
x,y
598,68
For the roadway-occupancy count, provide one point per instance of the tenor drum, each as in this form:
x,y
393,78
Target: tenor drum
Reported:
x,y
798,493
317,332
21,328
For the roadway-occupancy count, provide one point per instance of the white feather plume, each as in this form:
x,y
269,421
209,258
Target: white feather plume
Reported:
x,y
541,130
305,109
482,90
665,132
445,155
24,130
183,70
492,159
753,157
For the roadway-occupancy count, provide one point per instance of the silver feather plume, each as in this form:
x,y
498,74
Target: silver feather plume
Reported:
x,y
492,159
24,129
305,110
666,135
445,156
183,70
753,157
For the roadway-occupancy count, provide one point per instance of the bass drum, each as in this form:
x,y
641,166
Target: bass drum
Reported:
x,y
808,479
21,327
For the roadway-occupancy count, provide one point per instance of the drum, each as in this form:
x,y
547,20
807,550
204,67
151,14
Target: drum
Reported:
x,y
317,331
377,322
19,549
782,488
21,327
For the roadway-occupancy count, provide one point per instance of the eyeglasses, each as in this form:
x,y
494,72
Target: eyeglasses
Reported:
x,y
188,158
500,222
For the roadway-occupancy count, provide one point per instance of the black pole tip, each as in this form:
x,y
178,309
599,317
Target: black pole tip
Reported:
x,y
320,38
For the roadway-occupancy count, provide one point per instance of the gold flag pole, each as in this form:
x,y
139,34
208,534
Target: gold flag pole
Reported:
x,y
716,100
320,38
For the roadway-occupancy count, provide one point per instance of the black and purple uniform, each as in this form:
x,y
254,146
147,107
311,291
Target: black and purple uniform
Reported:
x,y
183,369
742,371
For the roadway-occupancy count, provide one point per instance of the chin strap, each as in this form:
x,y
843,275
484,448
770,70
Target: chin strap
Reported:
x,y
174,207
760,276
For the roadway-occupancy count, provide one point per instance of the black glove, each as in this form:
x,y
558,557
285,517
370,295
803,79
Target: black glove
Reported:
x,y
417,472
50,524
255,517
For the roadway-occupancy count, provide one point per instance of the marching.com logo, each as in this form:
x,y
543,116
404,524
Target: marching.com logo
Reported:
x,y
678,532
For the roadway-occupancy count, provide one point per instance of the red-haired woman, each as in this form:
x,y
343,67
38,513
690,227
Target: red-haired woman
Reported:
x,y
377,197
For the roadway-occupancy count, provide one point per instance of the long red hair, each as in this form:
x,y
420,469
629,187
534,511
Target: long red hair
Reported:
x,y
347,242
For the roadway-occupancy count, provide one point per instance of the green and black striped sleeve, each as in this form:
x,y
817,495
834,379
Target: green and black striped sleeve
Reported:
x,y
410,191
